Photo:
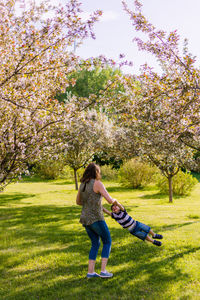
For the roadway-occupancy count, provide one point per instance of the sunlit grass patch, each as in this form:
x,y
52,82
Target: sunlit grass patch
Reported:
x,y
44,249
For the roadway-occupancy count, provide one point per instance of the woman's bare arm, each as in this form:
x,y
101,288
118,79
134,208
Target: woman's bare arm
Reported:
x,y
78,198
99,188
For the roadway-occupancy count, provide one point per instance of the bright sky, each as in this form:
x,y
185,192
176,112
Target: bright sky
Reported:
x,y
114,33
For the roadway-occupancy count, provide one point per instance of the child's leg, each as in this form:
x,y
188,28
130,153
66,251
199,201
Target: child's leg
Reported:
x,y
149,239
155,235
142,230
152,233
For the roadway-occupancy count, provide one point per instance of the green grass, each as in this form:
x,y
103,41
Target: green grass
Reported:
x,y
44,249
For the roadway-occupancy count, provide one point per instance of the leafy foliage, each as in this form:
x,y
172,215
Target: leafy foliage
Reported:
x,y
104,158
87,82
183,183
49,169
109,173
135,173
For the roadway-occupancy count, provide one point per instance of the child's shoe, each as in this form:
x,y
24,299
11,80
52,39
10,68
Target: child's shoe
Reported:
x,y
106,274
158,236
157,243
92,275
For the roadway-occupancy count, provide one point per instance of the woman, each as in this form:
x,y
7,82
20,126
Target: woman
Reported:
x,y
89,196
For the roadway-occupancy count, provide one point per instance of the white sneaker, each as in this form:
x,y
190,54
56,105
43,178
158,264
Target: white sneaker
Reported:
x,y
106,274
92,275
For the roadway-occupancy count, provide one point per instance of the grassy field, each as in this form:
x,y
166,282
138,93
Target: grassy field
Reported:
x,y
44,248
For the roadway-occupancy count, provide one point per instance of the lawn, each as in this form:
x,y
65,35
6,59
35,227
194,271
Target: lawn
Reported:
x,y
44,248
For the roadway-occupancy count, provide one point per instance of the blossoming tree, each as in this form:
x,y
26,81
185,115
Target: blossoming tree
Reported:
x,y
88,134
36,55
178,84
160,112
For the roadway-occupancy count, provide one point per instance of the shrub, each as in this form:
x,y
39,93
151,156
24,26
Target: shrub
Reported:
x,y
48,169
182,183
80,173
135,173
68,173
108,173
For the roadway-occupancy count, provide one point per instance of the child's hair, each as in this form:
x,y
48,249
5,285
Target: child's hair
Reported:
x,y
113,205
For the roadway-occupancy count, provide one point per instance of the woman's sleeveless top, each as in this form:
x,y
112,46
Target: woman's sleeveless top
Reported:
x,y
91,204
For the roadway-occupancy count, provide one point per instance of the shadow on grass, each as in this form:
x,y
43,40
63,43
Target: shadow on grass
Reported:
x,y
14,197
32,227
154,196
193,216
172,226
45,231
137,276
196,175
157,195
64,182
31,216
35,179
32,179
160,196
119,189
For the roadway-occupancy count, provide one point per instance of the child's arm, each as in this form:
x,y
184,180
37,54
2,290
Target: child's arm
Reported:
x,y
106,211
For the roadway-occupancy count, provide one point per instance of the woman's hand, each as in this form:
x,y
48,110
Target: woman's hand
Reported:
x,y
118,204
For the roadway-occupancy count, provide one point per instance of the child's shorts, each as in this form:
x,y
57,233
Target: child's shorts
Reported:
x,y
140,230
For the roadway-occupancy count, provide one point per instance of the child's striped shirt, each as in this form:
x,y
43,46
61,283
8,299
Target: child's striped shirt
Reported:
x,y
124,219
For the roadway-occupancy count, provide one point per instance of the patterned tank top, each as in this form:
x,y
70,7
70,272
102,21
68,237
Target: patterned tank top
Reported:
x,y
91,204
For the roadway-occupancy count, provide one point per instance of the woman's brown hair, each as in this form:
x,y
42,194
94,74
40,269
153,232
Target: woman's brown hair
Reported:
x,y
92,171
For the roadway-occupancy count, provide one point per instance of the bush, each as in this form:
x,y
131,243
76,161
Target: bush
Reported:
x,y
182,183
68,173
135,173
48,169
80,173
108,173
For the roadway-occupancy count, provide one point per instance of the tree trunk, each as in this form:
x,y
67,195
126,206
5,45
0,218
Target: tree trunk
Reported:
x,y
76,180
170,189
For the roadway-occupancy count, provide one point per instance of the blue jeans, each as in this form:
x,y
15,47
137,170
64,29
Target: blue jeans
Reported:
x,y
96,231
140,230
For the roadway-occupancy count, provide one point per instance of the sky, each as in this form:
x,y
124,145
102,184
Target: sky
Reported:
x,y
114,32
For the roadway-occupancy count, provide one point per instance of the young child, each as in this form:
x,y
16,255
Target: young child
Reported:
x,y
136,228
